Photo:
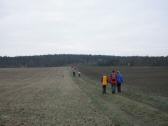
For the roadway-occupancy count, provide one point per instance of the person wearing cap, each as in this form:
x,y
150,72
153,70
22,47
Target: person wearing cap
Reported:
x,y
120,81
113,81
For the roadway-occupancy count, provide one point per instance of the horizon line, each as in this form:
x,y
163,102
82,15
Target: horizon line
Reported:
x,y
84,54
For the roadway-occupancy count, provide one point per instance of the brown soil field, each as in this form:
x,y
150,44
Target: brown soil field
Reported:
x,y
151,80
53,97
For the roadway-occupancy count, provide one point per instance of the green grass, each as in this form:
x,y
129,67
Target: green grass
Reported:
x,y
135,106
144,84
51,96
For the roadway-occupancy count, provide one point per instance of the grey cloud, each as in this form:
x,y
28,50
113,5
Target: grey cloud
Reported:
x,y
123,27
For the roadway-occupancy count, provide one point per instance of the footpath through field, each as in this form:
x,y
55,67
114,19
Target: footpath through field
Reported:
x,y
45,97
51,96
122,110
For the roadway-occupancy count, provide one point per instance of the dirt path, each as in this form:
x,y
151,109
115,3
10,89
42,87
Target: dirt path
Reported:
x,y
45,97
51,96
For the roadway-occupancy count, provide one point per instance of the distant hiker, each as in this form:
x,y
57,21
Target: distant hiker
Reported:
x,y
120,81
74,73
79,74
113,81
104,81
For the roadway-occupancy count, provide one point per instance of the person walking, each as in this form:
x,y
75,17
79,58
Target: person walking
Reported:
x,y
73,73
120,81
79,73
104,81
113,81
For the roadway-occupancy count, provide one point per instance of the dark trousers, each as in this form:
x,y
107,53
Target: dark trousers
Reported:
x,y
74,74
104,89
119,87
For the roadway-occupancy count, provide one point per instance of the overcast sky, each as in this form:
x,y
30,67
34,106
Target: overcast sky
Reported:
x,y
110,27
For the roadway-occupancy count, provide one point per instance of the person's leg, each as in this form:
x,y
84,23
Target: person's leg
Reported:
x,y
113,89
103,89
119,88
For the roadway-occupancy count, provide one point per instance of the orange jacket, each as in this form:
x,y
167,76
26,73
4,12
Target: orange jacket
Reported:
x,y
104,80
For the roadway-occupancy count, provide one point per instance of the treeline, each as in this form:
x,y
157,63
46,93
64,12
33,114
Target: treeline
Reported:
x,y
68,59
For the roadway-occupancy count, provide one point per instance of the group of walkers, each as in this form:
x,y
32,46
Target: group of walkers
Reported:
x,y
115,79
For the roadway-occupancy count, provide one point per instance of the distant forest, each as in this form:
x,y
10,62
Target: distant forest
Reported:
x,y
69,59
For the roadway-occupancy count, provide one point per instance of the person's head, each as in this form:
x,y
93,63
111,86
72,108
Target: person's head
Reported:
x,y
113,71
118,72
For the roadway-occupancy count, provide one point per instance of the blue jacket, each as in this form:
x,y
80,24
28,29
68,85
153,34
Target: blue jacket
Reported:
x,y
120,79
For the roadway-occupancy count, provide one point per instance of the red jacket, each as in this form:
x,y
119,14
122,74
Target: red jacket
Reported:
x,y
113,79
